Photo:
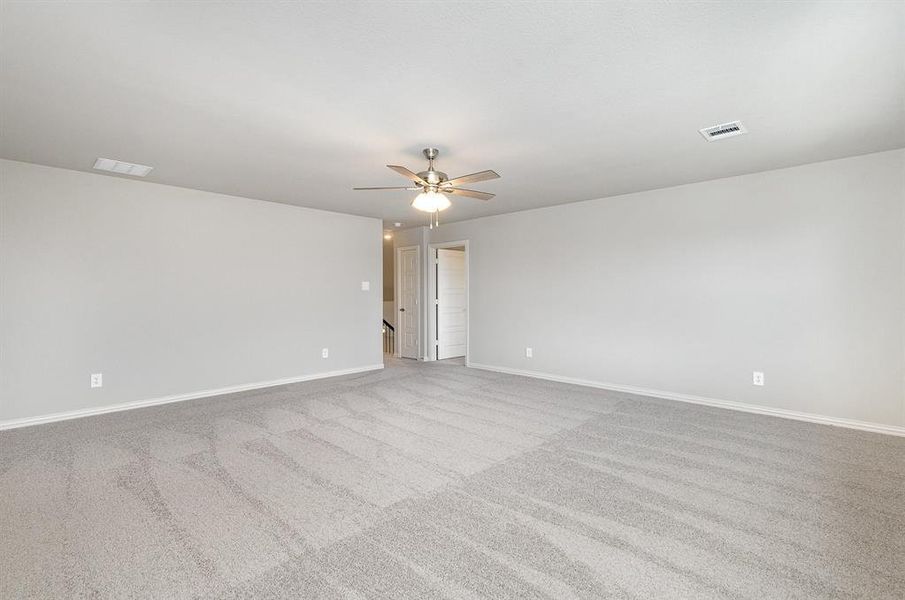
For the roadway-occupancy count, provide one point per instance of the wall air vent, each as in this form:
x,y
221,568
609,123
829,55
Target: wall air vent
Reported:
x,y
718,132
121,168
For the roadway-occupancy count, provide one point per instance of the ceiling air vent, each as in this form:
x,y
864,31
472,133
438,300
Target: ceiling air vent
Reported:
x,y
718,132
121,168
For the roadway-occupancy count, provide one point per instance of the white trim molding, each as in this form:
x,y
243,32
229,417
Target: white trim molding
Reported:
x,y
100,410
728,404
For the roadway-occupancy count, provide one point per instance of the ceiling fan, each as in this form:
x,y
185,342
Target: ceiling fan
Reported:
x,y
435,185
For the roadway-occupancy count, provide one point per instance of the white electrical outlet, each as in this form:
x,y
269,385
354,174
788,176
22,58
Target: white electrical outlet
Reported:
x,y
325,353
97,380
758,378
529,352
365,286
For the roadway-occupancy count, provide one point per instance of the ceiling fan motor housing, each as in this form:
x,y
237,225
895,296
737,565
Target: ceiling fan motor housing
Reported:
x,y
433,177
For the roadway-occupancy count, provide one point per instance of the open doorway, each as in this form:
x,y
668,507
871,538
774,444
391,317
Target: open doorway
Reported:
x,y
448,292
389,295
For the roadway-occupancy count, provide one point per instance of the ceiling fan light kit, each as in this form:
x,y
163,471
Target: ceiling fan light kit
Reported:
x,y
431,202
434,186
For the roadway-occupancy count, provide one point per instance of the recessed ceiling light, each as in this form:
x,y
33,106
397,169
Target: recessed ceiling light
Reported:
x,y
724,130
397,224
121,168
388,236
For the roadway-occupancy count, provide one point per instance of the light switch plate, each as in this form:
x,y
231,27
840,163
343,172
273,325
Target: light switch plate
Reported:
x,y
529,352
365,286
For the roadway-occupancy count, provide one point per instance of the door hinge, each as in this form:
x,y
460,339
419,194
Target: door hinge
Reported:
x,y
437,301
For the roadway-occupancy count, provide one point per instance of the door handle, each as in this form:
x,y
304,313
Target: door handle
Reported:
x,y
401,310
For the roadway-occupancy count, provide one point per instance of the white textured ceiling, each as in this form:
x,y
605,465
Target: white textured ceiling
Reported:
x,y
298,103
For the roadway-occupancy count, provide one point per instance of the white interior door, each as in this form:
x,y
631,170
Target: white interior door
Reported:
x,y
452,304
408,302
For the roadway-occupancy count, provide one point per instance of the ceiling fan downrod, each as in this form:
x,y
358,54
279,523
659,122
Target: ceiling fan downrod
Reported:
x,y
430,154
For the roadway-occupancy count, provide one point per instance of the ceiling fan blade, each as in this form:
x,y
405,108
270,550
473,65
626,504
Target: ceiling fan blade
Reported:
x,y
386,188
408,174
469,193
474,177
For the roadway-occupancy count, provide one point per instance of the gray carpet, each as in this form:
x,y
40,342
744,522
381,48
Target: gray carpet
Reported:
x,y
438,481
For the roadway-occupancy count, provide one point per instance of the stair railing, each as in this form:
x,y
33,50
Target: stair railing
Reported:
x,y
389,338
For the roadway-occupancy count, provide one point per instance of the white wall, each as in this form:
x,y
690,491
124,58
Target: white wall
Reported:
x,y
389,312
171,291
799,273
388,277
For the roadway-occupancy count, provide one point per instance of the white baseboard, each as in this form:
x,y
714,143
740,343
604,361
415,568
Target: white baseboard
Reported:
x,y
100,410
740,406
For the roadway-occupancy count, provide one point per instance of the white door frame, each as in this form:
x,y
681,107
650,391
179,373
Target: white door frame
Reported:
x,y
431,291
397,292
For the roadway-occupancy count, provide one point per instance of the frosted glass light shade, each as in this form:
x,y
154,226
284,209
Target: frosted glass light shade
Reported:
x,y
431,202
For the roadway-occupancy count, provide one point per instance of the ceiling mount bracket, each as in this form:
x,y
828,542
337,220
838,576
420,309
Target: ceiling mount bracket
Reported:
x,y
430,154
